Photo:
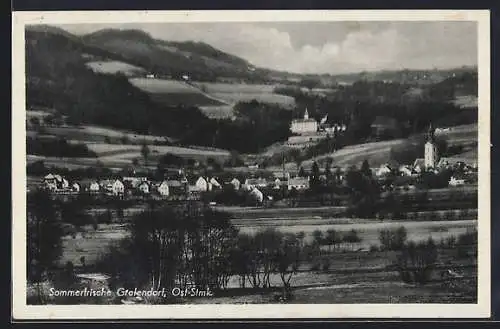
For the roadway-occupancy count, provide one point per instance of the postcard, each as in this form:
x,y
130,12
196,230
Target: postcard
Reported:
x,y
251,164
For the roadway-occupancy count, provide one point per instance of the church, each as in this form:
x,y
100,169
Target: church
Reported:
x,y
304,126
431,155
431,151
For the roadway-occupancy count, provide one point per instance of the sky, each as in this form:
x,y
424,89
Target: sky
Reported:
x,y
326,47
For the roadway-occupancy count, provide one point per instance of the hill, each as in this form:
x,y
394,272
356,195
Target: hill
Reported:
x,y
172,59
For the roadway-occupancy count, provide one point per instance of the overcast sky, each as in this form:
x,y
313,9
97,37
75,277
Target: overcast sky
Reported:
x,y
326,47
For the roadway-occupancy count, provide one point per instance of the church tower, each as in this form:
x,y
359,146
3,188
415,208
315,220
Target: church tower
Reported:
x,y
306,115
431,153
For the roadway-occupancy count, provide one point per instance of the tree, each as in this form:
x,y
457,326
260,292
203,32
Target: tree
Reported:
x,y
318,237
145,151
288,260
314,180
333,237
365,169
351,237
44,234
185,244
417,261
393,239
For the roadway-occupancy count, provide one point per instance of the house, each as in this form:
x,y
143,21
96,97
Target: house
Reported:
x,y
118,187
75,187
456,181
405,171
94,187
254,182
144,187
385,127
50,182
176,187
256,195
298,183
163,189
115,187
383,170
215,184
202,184
280,182
235,183
419,165
134,182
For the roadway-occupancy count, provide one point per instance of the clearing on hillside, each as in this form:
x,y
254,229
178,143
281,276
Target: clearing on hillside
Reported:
x,y
234,93
173,92
114,67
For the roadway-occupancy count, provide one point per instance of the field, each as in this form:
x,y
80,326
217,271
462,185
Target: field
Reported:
x,y
173,92
113,67
216,100
116,156
93,134
352,277
234,93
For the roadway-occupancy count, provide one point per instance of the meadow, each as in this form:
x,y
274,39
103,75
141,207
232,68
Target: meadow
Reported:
x,y
94,134
174,92
114,67
234,93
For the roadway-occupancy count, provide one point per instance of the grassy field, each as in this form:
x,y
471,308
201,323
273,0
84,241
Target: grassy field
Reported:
x,y
92,134
113,67
92,243
173,92
234,93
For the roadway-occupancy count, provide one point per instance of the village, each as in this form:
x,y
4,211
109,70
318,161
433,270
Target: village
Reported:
x,y
180,184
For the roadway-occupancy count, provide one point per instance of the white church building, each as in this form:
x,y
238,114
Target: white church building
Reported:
x,y
304,126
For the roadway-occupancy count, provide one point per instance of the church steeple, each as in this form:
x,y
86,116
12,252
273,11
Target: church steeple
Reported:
x,y
306,115
430,134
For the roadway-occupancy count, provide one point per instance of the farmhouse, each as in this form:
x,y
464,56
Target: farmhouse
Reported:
x,y
144,187
251,183
383,170
176,187
298,183
163,189
75,187
115,187
456,181
419,165
304,126
405,171
256,195
201,184
94,187
235,183
214,183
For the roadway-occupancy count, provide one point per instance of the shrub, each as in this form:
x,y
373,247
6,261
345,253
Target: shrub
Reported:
x,y
374,248
416,262
393,239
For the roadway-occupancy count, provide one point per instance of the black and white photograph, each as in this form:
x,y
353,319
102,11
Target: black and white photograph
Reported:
x,y
263,164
